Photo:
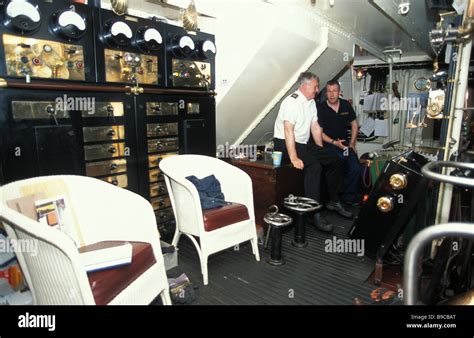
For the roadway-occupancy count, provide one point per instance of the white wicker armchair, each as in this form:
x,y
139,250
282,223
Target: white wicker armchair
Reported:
x,y
190,220
101,212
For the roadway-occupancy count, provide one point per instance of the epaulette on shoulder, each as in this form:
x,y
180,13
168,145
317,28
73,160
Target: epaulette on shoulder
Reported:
x,y
294,95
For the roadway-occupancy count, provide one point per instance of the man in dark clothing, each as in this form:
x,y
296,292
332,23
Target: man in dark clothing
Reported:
x,y
334,116
297,120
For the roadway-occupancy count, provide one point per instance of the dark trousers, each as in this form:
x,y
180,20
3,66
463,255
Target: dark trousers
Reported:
x,y
315,158
351,170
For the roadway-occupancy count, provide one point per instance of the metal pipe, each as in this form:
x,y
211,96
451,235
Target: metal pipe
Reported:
x,y
415,249
390,117
406,73
455,125
428,172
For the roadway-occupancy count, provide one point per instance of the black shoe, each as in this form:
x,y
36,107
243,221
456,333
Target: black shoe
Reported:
x,y
321,223
337,207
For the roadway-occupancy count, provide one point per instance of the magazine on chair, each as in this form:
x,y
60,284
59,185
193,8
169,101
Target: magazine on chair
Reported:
x,y
54,212
105,255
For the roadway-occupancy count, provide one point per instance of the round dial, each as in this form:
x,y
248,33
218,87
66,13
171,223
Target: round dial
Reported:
x,y
207,49
149,39
117,33
69,25
183,46
22,16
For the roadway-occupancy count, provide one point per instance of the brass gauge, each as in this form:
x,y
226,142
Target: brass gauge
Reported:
x,y
148,39
117,33
207,49
183,46
68,24
22,16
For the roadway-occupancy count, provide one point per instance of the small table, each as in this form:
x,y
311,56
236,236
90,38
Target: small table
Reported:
x,y
271,184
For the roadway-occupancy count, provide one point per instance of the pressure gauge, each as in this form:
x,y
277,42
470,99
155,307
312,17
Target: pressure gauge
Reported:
x,y
207,49
69,25
183,46
117,33
22,16
149,39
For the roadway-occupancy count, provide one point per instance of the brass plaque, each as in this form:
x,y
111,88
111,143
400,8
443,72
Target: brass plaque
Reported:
x,y
118,180
130,67
191,73
103,151
164,215
193,108
160,202
29,57
105,109
161,129
92,134
106,167
157,189
161,108
37,110
164,144
155,175
154,160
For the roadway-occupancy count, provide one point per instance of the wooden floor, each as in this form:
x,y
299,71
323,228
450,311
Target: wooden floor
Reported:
x,y
310,275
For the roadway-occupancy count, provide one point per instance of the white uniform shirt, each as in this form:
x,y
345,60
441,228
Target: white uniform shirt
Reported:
x,y
300,112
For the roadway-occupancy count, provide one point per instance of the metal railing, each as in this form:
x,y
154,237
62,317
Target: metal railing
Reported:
x,y
417,244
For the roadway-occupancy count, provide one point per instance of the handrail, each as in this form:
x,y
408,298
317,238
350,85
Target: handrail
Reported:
x,y
428,172
415,248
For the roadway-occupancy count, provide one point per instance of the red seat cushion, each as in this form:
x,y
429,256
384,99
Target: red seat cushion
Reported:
x,y
225,215
107,284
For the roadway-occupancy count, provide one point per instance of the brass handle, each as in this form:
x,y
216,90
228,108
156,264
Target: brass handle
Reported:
x,y
161,189
110,108
385,204
398,181
115,182
50,109
111,132
113,166
112,150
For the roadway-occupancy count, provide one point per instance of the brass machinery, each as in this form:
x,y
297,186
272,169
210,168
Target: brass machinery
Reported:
x,y
47,41
58,41
55,55
190,58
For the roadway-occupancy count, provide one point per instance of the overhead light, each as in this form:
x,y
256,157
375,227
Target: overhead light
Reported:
x,y
360,74
331,3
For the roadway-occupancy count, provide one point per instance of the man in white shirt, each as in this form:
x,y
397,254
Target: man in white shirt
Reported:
x,y
297,120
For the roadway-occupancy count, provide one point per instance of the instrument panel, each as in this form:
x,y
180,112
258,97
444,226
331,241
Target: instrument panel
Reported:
x,y
46,41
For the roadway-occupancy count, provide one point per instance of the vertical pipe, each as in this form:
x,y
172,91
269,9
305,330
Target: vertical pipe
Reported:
x,y
454,128
390,119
